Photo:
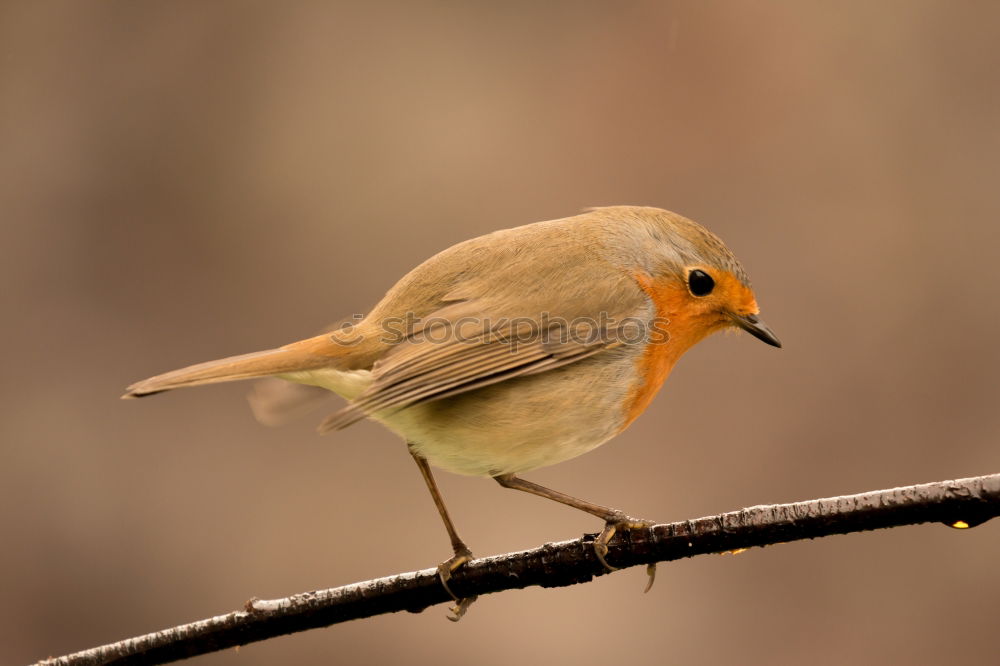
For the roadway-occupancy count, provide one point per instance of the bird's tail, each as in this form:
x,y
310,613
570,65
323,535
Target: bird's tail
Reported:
x,y
322,351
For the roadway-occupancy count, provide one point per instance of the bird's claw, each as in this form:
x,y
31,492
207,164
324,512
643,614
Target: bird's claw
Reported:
x,y
459,609
651,573
611,526
444,575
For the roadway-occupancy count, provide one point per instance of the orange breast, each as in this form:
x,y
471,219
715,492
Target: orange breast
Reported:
x,y
683,331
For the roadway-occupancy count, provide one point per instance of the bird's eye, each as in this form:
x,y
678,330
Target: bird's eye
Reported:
x,y
700,283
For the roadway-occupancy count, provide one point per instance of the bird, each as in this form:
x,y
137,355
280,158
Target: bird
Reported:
x,y
515,350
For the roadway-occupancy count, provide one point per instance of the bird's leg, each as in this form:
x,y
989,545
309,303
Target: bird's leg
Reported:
x,y
613,518
462,552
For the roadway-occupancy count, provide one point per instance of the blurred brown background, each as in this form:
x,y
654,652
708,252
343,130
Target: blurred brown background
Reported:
x,y
185,180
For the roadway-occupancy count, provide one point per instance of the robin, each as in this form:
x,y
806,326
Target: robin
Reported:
x,y
518,349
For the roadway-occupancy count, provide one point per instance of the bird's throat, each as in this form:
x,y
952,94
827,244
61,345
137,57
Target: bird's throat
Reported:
x,y
683,329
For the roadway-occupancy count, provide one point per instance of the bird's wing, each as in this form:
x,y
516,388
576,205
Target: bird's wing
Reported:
x,y
460,350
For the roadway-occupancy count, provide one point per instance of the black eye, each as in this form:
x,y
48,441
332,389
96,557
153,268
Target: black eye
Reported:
x,y
700,283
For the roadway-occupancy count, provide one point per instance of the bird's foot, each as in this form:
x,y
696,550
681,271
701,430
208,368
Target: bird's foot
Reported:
x,y
461,556
620,521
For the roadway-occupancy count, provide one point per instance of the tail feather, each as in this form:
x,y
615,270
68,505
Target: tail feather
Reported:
x,y
277,401
308,354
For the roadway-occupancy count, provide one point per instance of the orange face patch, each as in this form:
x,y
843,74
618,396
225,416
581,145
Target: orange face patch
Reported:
x,y
689,319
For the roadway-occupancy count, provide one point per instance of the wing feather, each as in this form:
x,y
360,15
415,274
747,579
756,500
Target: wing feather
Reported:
x,y
420,370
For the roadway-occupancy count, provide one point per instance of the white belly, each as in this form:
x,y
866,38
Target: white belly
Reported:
x,y
475,450
518,425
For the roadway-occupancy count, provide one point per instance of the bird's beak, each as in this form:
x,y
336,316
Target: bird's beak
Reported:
x,y
755,327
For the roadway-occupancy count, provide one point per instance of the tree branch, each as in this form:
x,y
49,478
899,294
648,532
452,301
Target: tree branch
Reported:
x,y
959,503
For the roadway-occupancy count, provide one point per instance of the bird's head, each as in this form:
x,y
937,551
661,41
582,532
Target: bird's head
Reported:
x,y
694,280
